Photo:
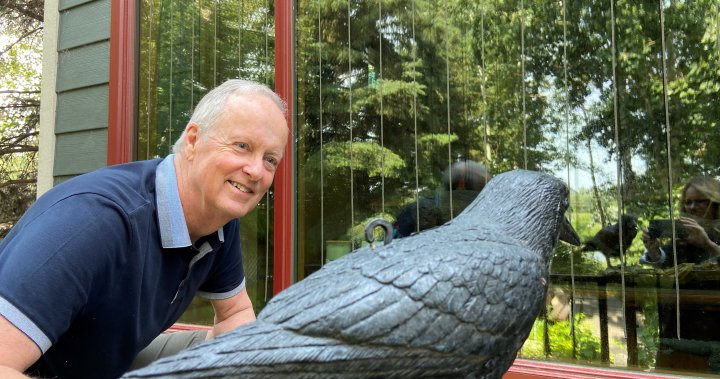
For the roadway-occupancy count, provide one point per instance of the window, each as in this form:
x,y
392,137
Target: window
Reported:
x,y
186,48
401,104
618,102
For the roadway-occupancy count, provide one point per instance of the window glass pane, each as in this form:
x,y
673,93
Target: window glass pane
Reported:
x,y
186,48
617,98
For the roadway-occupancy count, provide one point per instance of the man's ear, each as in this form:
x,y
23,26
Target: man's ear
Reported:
x,y
192,136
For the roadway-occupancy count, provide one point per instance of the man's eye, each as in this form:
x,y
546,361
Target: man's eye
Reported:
x,y
242,145
273,162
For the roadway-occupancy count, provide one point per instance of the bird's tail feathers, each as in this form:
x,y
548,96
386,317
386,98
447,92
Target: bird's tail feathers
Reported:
x,y
264,350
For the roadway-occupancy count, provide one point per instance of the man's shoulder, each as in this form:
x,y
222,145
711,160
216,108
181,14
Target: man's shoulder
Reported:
x,y
126,173
129,178
130,185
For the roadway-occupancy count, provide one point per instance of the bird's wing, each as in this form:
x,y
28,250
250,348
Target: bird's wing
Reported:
x,y
262,350
461,294
605,240
392,313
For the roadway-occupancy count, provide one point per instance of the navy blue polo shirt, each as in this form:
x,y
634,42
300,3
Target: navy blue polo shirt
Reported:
x,y
103,263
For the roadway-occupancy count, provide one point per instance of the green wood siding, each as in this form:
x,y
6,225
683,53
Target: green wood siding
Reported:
x,y
67,4
82,87
83,67
80,152
84,24
82,109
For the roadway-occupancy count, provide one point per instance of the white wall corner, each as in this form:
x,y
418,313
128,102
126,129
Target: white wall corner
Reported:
x,y
48,98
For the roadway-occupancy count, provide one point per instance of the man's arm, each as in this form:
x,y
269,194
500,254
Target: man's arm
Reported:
x,y
17,351
231,313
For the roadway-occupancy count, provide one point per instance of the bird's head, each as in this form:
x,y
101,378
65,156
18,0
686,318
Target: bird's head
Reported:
x,y
526,206
630,222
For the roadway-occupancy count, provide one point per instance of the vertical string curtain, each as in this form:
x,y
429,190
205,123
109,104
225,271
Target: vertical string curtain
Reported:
x,y
391,94
187,48
407,89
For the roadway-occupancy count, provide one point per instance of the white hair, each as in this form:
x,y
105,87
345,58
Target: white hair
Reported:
x,y
212,105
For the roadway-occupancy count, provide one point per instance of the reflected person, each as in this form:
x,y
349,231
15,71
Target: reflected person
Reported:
x,y
697,243
105,262
464,179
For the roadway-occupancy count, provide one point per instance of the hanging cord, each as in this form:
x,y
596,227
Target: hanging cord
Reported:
x,y
149,77
567,159
717,26
618,168
322,143
417,171
267,194
447,101
486,153
192,59
215,43
465,81
670,173
241,25
352,173
267,45
382,129
172,57
522,77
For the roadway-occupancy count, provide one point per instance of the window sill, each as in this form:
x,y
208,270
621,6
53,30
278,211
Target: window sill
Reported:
x,y
527,369
179,327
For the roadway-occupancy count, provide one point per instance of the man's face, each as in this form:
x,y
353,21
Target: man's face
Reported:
x,y
233,165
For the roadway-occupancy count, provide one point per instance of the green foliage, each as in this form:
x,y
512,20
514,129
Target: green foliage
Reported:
x,y
587,346
583,262
20,68
366,156
648,334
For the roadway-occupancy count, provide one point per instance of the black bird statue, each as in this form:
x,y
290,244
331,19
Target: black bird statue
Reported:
x,y
607,240
456,301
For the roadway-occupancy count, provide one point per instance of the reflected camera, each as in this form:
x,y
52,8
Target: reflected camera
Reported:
x,y
663,229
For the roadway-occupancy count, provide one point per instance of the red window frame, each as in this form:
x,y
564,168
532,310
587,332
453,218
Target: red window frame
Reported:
x,y
121,107
284,216
121,123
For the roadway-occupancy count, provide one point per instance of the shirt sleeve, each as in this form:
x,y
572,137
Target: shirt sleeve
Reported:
x,y
48,265
227,277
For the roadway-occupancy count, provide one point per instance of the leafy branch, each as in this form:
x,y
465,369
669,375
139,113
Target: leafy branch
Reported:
x,y
15,182
32,9
12,91
22,37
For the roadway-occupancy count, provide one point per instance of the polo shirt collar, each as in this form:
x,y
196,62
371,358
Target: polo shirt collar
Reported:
x,y
173,228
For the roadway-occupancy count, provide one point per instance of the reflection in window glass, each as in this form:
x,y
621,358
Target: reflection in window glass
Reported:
x,y
405,108
186,48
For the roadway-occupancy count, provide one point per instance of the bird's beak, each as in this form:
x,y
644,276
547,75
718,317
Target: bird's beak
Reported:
x,y
568,234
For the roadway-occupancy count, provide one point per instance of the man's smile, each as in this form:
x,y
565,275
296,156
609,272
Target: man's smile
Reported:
x,y
240,187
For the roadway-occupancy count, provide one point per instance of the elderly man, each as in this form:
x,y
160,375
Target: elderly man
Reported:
x,y
103,263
